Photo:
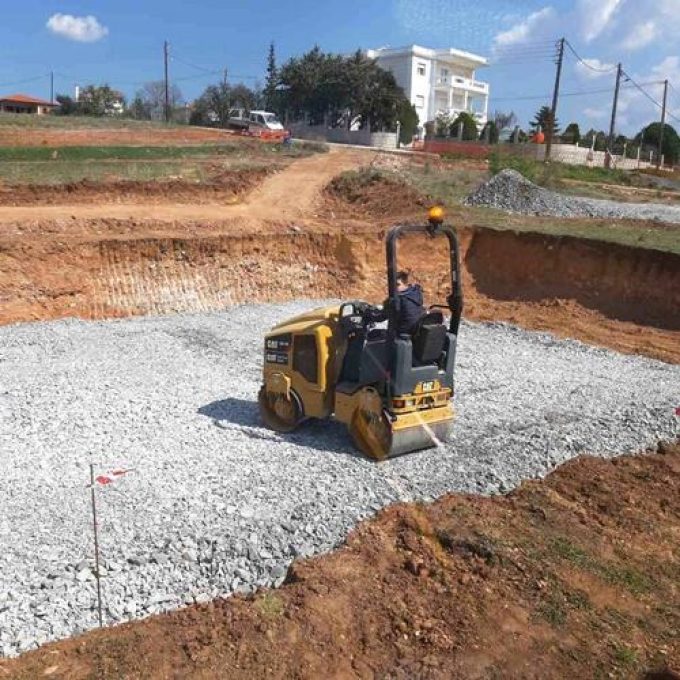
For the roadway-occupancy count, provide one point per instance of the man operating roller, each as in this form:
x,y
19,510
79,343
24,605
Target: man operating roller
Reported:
x,y
411,308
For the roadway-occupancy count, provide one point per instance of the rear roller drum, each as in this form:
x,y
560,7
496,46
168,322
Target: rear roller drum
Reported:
x,y
279,412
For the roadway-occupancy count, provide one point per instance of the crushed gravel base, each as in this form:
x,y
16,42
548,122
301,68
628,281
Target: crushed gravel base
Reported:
x,y
512,192
216,503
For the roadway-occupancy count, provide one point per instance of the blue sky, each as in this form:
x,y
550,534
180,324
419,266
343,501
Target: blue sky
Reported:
x,y
122,44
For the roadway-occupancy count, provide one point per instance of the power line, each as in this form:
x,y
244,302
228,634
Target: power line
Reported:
x,y
578,93
174,57
25,80
585,62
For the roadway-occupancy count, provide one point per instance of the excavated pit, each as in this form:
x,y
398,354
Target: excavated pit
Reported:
x,y
599,292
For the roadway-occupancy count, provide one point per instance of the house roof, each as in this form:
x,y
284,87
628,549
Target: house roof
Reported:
x,y
446,54
26,99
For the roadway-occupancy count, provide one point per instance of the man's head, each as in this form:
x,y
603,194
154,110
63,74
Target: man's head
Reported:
x,y
402,280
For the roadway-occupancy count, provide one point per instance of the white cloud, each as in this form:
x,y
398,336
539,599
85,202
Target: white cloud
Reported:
x,y
529,28
597,69
81,29
594,113
639,36
595,16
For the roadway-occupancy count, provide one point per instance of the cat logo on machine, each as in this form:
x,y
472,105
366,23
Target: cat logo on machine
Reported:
x,y
280,343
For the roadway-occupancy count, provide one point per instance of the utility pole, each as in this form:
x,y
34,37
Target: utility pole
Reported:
x,y
51,87
167,84
612,127
556,94
663,123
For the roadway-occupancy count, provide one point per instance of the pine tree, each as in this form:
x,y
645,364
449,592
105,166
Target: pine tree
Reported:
x,y
272,79
543,121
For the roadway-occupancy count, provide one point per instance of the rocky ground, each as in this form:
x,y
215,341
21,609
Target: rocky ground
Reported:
x,y
512,192
215,503
574,576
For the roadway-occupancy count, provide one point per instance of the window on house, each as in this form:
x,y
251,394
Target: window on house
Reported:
x,y
445,73
420,69
420,101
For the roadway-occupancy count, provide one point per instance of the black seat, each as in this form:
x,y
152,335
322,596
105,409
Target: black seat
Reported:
x,y
429,338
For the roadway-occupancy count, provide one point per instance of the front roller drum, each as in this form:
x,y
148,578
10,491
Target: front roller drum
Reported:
x,y
377,437
279,412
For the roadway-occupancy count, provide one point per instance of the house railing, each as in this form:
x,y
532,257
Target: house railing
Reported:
x,y
461,83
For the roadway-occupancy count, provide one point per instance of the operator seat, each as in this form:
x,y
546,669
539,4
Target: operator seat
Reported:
x,y
429,339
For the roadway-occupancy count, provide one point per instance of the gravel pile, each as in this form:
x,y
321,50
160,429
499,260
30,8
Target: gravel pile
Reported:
x,y
512,192
216,503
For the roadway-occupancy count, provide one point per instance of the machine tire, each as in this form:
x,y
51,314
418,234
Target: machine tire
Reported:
x,y
279,417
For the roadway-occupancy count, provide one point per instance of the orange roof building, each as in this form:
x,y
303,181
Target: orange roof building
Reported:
x,y
23,103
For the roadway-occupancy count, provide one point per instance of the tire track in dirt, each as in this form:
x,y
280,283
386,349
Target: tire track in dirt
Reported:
x,y
288,195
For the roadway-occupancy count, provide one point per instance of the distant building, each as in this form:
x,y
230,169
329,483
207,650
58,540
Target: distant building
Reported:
x,y
438,81
23,103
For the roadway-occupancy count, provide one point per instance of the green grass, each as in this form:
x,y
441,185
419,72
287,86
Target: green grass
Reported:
x,y
270,606
549,174
79,122
449,185
67,172
98,153
625,577
625,656
40,165
654,236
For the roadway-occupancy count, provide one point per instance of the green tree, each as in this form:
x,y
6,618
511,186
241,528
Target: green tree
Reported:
x,y
272,80
340,91
100,101
139,109
67,105
489,133
213,106
671,141
572,134
470,131
408,118
544,121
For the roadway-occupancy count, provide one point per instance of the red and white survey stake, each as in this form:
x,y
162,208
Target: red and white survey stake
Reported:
x,y
110,477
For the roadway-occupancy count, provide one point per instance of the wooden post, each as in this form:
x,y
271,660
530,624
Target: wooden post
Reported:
x,y
96,546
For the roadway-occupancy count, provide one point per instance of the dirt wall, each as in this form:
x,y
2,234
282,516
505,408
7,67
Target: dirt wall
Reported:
x,y
599,292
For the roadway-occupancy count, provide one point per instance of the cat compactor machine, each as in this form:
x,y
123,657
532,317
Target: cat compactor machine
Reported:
x,y
393,391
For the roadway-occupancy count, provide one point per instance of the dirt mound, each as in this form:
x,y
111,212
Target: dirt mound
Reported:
x,y
371,192
512,192
223,186
573,576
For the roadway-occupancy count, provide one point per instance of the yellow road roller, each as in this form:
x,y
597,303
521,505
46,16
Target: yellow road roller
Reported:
x,y
393,391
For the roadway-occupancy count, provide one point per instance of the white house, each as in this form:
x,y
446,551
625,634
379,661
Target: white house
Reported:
x,y
437,81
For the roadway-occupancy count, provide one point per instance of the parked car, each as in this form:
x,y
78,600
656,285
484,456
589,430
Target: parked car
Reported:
x,y
240,119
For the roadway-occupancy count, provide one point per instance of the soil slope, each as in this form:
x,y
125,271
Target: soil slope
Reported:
x,y
289,238
573,576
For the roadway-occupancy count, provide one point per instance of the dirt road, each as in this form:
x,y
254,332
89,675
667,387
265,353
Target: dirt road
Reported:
x,y
288,195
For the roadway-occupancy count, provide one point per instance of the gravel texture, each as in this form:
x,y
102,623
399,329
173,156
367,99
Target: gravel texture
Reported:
x,y
512,192
218,504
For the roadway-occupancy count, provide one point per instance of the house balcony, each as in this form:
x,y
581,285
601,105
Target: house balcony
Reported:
x,y
480,118
459,83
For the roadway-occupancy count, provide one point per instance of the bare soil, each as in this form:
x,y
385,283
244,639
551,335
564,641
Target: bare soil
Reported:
x,y
290,237
575,576
124,136
222,187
